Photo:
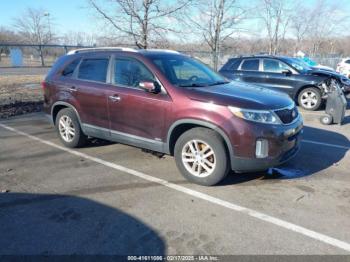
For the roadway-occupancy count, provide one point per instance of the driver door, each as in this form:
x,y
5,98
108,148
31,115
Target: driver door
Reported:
x,y
136,116
275,76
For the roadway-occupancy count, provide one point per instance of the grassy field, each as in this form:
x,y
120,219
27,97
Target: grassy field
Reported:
x,y
15,88
20,94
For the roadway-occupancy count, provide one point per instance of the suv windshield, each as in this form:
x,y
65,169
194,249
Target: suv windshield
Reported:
x,y
298,64
184,71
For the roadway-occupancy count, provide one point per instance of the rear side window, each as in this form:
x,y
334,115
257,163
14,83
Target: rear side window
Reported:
x,y
250,65
347,61
93,69
69,70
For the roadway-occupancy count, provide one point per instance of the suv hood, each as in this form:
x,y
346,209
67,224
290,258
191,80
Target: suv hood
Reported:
x,y
326,73
240,95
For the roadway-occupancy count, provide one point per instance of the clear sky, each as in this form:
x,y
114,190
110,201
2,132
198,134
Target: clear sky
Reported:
x,y
67,15
74,15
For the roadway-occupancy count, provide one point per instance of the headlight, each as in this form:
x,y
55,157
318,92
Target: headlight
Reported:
x,y
261,116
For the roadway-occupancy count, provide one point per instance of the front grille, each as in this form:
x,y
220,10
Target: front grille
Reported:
x,y
287,115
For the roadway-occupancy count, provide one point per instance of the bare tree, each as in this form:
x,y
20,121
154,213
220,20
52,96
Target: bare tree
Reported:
x,y
215,21
327,23
34,27
275,15
79,39
140,19
300,24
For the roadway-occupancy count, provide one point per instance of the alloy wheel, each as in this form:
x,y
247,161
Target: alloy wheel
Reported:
x,y
309,99
66,128
198,158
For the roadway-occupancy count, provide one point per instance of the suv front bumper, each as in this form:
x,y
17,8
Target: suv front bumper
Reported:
x,y
284,142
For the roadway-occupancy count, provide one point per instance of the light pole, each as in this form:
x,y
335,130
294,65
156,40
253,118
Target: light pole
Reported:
x,y
47,14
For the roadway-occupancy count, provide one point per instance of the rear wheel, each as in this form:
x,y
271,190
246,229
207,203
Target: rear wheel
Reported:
x,y
68,129
310,99
201,156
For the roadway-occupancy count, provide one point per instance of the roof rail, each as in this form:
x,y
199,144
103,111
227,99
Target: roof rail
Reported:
x,y
86,50
163,50
263,54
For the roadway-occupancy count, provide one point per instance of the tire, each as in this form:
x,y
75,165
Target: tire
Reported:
x,y
310,98
326,119
67,117
206,171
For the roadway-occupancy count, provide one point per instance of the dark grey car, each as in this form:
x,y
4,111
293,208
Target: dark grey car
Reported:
x,y
307,86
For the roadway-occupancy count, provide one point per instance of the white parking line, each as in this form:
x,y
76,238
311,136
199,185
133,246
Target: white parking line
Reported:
x,y
325,144
250,212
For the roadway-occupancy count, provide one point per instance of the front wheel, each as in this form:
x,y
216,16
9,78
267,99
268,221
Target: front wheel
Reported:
x,y
310,99
201,156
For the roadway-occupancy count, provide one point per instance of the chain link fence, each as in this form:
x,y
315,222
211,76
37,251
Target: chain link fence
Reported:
x,y
32,55
46,55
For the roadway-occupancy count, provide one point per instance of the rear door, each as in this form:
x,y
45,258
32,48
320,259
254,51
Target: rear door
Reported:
x,y
90,88
249,71
136,116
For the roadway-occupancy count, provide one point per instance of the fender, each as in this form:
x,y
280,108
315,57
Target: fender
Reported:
x,y
62,103
205,124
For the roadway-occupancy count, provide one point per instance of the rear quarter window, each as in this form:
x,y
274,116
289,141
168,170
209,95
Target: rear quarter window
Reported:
x,y
70,68
93,69
235,64
232,64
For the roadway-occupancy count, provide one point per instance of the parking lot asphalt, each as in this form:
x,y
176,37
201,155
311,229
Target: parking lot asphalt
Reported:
x,y
109,198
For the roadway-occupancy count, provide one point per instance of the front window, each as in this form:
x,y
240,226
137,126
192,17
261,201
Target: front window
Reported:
x,y
130,72
274,66
183,71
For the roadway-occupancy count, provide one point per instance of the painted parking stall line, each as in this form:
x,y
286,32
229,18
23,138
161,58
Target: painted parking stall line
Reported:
x,y
325,144
250,212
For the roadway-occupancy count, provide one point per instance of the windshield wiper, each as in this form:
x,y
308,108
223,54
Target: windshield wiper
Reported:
x,y
219,83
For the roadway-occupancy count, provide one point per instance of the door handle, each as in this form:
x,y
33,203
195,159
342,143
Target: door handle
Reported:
x,y
72,89
115,98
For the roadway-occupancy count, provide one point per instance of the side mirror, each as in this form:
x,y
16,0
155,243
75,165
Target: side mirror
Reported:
x,y
150,86
287,72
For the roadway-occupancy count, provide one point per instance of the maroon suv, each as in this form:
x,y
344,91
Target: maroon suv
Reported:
x,y
167,102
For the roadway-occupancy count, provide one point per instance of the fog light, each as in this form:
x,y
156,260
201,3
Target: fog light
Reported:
x,y
262,148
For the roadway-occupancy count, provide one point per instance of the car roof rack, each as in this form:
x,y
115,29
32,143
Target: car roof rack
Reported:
x,y
101,49
162,50
262,53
